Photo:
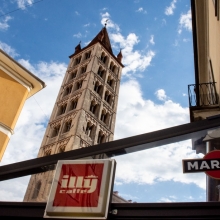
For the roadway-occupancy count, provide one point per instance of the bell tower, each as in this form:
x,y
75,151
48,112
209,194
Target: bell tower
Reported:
x,y
85,110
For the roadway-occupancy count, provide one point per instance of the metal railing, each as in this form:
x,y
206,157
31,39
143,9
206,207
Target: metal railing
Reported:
x,y
203,94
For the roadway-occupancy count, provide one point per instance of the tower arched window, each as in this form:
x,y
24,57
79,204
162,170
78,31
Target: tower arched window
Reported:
x,y
83,69
55,131
72,75
111,66
108,97
114,69
73,104
62,109
90,130
101,137
36,190
77,60
101,72
110,81
68,90
105,116
103,57
94,108
98,88
87,55
67,126
79,84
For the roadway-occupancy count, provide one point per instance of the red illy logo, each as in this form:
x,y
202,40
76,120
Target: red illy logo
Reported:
x,y
79,185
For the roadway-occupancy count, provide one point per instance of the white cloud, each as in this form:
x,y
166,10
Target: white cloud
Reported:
x,y
133,60
23,3
186,40
141,10
8,49
164,22
161,95
4,23
77,13
152,39
86,25
137,115
110,24
185,22
169,10
78,35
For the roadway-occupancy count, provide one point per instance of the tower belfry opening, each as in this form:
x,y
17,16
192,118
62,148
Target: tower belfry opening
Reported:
x,y
85,110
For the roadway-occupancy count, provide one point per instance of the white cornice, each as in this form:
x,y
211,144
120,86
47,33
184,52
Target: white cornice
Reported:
x,y
6,130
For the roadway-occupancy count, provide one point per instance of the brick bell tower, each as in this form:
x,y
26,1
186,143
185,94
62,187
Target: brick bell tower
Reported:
x,y
85,110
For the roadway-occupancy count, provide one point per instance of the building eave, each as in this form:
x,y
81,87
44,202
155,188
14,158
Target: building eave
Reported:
x,y
19,73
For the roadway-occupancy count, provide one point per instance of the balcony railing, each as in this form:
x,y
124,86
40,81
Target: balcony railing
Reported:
x,y
203,94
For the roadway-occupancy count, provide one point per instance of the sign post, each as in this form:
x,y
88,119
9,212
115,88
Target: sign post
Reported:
x,y
81,189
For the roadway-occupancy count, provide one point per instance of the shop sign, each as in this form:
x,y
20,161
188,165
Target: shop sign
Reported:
x,y
210,164
81,189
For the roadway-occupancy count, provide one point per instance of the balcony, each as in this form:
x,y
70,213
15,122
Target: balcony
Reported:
x,y
202,95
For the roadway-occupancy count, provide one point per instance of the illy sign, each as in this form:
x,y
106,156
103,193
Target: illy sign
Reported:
x,y
81,189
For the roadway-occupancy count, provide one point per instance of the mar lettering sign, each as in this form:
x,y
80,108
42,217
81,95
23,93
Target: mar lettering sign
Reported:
x,y
210,164
81,189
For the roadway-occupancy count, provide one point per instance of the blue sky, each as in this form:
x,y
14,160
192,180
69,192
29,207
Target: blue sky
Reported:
x,y
156,41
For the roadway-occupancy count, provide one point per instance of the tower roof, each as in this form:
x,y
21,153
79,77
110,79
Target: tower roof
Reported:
x,y
102,37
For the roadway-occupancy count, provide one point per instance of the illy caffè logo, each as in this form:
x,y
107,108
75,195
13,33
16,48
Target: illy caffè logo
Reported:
x,y
80,184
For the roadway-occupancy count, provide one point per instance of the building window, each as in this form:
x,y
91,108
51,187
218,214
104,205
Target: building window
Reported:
x,y
101,137
79,84
103,57
72,75
36,190
111,65
98,88
62,109
68,90
73,104
101,72
90,130
87,55
108,97
110,81
55,131
67,126
94,108
83,69
105,117
77,60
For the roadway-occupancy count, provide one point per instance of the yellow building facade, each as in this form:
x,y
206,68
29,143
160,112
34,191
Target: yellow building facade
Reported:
x,y
16,85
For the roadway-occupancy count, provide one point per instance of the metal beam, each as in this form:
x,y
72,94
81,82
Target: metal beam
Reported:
x,y
130,211
114,148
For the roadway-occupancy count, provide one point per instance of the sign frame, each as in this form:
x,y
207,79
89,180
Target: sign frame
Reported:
x,y
82,212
